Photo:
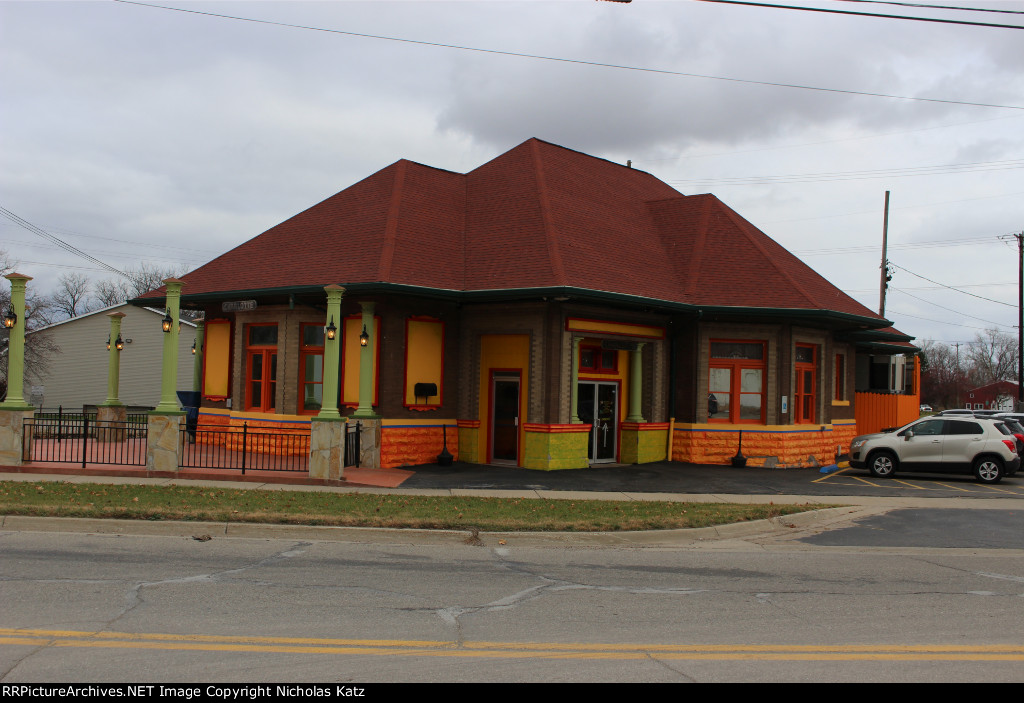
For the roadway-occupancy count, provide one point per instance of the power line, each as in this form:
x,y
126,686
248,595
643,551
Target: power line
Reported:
x,y
923,300
941,322
934,7
958,290
939,169
580,62
862,14
59,242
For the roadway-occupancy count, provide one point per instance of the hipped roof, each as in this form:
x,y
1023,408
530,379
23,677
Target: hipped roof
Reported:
x,y
537,216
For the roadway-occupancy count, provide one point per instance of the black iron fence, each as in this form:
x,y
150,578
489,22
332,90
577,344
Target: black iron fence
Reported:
x,y
352,431
83,440
245,449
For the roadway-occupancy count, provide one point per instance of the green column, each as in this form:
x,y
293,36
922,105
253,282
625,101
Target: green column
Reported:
x,y
366,357
332,353
636,384
169,378
16,346
114,364
574,390
197,362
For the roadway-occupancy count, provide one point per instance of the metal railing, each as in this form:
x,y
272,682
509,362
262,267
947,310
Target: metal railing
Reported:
x,y
352,431
83,440
243,449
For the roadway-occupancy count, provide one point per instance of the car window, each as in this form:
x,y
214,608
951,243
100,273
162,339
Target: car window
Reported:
x,y
963,427
927,428
1002,428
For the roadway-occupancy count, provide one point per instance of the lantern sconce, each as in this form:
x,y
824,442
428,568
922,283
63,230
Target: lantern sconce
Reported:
x,y
167,321
11,318
119,343
193,347
364,338
108,343
330,330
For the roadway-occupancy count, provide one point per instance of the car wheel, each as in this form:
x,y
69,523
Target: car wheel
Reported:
x,y
988,470
882,465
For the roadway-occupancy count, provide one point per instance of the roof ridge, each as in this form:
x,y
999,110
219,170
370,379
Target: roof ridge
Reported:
x,y
387,251
743,225
550,237
699,245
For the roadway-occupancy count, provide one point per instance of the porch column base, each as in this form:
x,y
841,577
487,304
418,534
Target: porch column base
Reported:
x,y
162,441
14,451
111,421
643,442
552,447
326,448
369,443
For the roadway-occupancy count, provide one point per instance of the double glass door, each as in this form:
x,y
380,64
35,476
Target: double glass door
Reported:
x,y
597,405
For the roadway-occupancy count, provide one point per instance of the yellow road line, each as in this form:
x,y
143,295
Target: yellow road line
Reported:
x,y
514,650
959,488
909,484
864,480
828,476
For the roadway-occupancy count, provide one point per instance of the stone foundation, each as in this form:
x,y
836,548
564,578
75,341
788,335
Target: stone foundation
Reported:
x,y
162,439
111,423
13,450
327,448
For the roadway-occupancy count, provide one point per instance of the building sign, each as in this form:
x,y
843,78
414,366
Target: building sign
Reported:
x,y
237,305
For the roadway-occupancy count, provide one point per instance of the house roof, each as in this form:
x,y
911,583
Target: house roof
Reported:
x,y
109,308
538,216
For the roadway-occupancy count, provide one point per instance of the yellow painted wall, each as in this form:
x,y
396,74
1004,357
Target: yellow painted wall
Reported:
x,y
504,352
217,359
423,359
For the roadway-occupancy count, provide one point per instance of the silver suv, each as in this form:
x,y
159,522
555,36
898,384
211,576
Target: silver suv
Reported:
x,y
949,444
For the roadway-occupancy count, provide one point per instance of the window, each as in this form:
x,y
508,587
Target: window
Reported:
x,y
736,382
840,382
311,368
594,359
806,372
261,367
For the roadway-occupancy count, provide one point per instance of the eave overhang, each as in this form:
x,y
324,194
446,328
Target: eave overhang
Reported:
x,y
850,323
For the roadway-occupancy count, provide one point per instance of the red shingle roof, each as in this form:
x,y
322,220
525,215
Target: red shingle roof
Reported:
x,y
539,215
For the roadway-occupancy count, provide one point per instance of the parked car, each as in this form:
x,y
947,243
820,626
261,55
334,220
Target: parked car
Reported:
x,y
941,444
926,408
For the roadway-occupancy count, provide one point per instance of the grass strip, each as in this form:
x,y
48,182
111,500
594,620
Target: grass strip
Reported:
x,y
143,502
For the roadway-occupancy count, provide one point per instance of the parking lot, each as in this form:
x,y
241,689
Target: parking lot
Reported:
x,y
690,478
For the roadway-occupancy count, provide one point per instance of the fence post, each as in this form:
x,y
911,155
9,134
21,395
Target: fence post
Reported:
x,y
85,436
245,428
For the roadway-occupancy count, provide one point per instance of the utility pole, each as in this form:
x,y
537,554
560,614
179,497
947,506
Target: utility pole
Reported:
x,y
884,282
1020,320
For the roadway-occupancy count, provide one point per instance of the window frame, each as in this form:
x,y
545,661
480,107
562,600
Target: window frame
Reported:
x,y
305,352
736,368
268,368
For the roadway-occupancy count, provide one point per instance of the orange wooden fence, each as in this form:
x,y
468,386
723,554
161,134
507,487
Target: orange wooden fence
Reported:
x,y
875,411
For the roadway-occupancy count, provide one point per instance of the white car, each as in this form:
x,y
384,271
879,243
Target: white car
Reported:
x,y
941,444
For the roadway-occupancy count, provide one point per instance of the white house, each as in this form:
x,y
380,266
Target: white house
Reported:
x,y
76,375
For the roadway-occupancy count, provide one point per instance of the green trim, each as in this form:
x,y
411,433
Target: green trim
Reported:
x,y
509,294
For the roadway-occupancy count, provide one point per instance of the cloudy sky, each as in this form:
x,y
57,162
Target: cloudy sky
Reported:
x,y
140,134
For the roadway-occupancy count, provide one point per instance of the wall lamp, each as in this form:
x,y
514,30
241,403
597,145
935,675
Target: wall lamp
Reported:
x,y
11,318
193,347
330,330
364,338
167,321
119,343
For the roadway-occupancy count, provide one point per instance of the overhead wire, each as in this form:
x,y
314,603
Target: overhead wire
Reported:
x,y
864,14
958,290
58,241
580,62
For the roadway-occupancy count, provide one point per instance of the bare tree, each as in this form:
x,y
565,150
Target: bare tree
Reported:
x,y
992,357
71,298
141,279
